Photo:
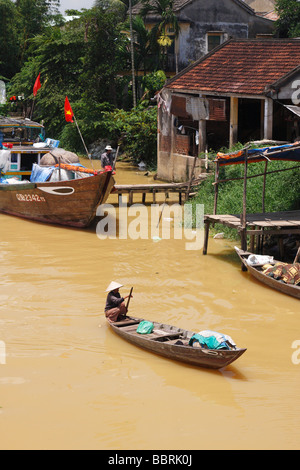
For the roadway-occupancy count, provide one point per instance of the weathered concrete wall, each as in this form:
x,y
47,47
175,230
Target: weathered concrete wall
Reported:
x,y
176,168
290,90
200,17
173,163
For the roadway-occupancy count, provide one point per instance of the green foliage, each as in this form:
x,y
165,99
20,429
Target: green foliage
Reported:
x,y
58,58
163,9
91,123
146,49
153,82
282,191
288,23
85,60
9,50
135,131
4,109
102,60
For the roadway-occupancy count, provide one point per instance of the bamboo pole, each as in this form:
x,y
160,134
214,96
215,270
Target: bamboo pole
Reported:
x,y
216,187
59,169
244,213
115,160
191,178
132,55
263,203
264,186
89,156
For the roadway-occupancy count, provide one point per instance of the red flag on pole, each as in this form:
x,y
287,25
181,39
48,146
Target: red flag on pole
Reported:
x,y
37,85
68,111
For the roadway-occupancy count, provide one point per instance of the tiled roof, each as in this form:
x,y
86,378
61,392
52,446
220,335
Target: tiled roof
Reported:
x,y
269,15
244,66
179,4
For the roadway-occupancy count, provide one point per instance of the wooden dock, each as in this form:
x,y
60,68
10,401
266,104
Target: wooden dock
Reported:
x,y
184,190
257,226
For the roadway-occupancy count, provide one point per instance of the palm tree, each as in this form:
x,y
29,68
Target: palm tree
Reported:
x,y
132,56
163,9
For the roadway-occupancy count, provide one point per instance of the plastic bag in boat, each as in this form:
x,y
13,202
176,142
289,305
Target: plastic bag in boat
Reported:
x,y
145,327
40,174
213,340
4,160
259,260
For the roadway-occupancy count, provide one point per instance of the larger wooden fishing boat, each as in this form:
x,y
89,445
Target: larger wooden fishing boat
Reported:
x,y
173,343
60,193
71,202
258,272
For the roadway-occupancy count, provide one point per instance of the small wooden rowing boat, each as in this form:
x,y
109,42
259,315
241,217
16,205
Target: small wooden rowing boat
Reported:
x,y
173,343
257,272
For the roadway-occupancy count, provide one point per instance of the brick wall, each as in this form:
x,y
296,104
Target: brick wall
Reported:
x,y
165,143
182,144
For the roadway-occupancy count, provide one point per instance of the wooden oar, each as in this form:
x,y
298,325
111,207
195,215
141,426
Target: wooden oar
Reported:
x,y
129,299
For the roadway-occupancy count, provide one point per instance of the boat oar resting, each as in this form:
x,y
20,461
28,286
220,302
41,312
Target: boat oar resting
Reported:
x,y
205,349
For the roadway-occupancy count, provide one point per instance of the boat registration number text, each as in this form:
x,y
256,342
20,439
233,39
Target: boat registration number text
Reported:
x,y
30,198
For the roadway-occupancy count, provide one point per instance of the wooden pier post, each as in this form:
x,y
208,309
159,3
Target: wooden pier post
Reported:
x,y
130,197
243,232
206,235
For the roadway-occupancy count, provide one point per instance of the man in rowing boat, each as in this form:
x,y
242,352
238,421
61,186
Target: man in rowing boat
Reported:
x,y
107,158
115,307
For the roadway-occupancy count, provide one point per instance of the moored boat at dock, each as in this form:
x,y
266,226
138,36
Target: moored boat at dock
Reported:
x,y
268,276
64,192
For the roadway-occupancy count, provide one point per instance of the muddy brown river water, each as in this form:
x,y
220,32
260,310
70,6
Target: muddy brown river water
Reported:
x,y
68,382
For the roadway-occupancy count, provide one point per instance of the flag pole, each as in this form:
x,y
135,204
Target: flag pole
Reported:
x,y
89,156
32,108
36,87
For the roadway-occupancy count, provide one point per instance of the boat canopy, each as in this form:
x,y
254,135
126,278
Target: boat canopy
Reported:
x,y
20,123
286,152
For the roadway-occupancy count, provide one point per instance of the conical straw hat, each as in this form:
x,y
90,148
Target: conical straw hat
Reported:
x,y
113,285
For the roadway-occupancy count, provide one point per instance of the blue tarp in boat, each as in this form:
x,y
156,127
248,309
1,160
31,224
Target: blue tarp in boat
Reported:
x,y
212,340
40,174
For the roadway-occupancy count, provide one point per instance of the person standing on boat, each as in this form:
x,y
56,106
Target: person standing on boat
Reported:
x,y
107,158
115,304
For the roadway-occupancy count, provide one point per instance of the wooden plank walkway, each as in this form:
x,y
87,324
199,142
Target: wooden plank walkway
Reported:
x,y
182,189
268,223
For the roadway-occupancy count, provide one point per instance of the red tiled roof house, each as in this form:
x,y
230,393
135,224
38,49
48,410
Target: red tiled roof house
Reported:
x,y
238,92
